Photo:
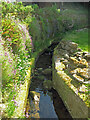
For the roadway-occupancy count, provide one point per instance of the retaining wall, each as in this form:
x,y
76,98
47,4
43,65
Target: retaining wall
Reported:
x,y
62,84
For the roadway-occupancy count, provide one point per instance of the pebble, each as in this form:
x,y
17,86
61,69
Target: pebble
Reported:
x,y
62,59
66,56
86,82
83,88
80,50
40,69
36,98
78,78
87,56
65,62
79,58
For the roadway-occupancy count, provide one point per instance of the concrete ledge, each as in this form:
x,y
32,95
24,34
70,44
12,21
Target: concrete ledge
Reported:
x,y
72,101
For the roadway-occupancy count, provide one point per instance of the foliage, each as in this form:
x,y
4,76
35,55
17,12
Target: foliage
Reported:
x,y
41,25
15,49
46,23
19,23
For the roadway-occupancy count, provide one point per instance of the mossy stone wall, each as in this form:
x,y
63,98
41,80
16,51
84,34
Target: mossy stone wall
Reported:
x,y
73,103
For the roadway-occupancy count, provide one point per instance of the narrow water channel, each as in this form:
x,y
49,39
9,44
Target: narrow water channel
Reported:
x,y
44,103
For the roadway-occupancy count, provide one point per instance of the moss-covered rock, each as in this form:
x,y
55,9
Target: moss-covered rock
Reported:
x,y
48,84
47,71
35,95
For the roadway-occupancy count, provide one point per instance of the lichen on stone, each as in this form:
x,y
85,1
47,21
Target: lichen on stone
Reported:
x,y
72,67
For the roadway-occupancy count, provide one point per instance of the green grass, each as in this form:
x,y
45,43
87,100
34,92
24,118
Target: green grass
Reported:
x,y
80,37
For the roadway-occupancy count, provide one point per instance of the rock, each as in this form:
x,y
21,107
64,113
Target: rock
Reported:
x,y
75,71
63,46
59,66
73,59
67,47
34,107
87,82
82,72
67,66
62,52
66,56
73,88
40,69
87,56
64,77
78,78
57,59
47,71
79,58
83,88
35,95
85,53
36,98
78,54
73,45
36,73
49,66
72,51
83,63
65,62
62,59
80,50
48,84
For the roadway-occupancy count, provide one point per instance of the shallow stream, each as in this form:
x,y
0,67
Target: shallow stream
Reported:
x,y
44,103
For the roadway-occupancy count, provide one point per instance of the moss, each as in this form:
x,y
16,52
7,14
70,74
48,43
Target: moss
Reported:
x,y
67,92
68,73
48,84
22,95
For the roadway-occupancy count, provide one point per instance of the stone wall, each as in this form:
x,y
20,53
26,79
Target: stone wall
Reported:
x,y
70,77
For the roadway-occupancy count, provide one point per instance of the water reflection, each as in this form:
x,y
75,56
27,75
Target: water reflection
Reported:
x,y
59,106
44,103
46,107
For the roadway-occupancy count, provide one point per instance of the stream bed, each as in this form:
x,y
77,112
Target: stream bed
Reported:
x,y
44,103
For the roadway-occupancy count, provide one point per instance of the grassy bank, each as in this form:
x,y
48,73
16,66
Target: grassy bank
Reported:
x,y
80,37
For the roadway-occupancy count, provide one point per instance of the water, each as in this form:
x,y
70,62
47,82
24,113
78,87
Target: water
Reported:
x,y
47,104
